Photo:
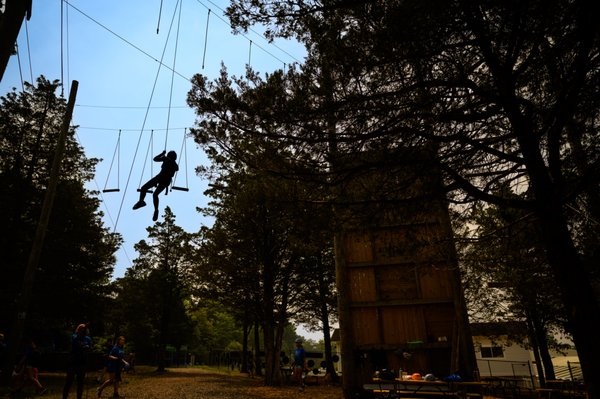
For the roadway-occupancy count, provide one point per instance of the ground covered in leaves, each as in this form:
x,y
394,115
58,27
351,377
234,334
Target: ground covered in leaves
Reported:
x,y
187,383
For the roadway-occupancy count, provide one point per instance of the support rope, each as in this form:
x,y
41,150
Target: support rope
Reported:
x,y
205,38
180,4
250,53
159,14
183,152
117,154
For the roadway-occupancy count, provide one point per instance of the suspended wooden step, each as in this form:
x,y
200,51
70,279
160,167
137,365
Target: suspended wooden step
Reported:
x,y
183,156
117,156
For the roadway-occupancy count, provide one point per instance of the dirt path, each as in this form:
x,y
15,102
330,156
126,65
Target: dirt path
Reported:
x,y
188,383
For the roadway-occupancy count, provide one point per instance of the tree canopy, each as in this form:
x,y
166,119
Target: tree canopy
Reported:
x,y
78,253
507,94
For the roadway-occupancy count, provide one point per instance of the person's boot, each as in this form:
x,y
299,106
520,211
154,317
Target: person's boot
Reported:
x,y
155,216
139,204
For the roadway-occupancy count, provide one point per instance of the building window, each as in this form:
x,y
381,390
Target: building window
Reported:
x,y
491,351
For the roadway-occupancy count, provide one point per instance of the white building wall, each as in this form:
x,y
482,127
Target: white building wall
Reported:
x,y
515,362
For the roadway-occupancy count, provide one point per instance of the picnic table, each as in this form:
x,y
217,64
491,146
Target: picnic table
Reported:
x,y
409,388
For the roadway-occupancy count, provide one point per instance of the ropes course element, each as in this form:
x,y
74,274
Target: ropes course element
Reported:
x,y
205,38
159,14
172,78
250,30
182,154
160,63
117,154
19,64
173,187
143,130
62,57
250,53
28,53
122,38
149,152
154,59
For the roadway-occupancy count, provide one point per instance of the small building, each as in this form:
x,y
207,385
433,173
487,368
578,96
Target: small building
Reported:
x,y
502,350
499,351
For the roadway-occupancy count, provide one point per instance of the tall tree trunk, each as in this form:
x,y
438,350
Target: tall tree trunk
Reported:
x,y
244,354
575,287
576,291
257,357
533,338
324,316
350,372
569,270
541,341
272,372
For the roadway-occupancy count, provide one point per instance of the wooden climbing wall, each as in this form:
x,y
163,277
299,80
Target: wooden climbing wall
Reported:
x,y
401,306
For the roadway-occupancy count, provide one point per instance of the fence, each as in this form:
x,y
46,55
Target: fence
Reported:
x,y
572,371
507,368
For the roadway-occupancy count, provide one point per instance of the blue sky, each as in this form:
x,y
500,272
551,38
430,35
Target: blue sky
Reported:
x,y
112,49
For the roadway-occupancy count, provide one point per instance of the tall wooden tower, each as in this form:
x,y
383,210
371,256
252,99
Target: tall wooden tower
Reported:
x,y
400,301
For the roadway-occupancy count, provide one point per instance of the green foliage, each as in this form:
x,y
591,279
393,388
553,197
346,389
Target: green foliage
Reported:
x,y
506,272
150,305
78,253
213,328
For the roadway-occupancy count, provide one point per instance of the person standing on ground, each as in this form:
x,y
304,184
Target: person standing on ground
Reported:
x,y
31,362
107,348
161,181
81,345
115,364
299,363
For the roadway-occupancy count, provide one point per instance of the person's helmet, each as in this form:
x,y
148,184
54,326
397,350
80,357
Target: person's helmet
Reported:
x,y
172,155
298,340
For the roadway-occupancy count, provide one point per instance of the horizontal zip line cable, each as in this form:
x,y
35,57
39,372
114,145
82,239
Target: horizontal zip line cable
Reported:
x,y
160,61
130,107
125,40
109,129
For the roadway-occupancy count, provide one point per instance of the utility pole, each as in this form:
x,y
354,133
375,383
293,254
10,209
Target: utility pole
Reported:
x,y
10,25
38,242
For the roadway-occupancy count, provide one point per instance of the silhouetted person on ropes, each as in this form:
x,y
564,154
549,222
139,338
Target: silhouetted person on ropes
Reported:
x,y
161,181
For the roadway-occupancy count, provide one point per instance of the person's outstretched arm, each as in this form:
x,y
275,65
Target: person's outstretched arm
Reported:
x,y
160,156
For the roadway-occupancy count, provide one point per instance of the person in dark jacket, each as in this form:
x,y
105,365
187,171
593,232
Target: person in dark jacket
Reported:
x,y
81,345
161,181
